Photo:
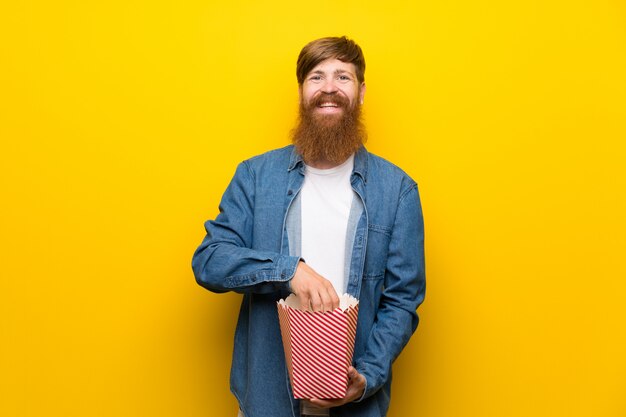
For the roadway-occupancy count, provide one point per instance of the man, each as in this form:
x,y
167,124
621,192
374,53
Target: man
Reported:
x,y
319,218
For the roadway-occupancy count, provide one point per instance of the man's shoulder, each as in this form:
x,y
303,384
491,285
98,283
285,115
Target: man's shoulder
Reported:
x,y
386,171
271,157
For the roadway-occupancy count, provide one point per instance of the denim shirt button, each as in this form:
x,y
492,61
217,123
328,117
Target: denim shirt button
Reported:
x,y
289,192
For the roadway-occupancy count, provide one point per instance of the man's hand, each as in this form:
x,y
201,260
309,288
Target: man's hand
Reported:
x,y
356,386
314,292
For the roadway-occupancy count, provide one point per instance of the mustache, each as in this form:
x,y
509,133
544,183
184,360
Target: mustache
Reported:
x,y
334,98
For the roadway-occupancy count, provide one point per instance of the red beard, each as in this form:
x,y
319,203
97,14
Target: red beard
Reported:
x,y
329,138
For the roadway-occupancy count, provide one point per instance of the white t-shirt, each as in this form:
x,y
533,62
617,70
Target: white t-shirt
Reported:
x,y
326,199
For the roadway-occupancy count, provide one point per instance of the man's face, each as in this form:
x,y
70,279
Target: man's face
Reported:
x,y
330,129
331,88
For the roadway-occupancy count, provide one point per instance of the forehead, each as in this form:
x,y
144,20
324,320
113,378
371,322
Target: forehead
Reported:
x,y
333,65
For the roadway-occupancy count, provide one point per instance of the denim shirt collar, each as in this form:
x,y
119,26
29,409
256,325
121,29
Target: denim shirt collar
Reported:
x,y
360,162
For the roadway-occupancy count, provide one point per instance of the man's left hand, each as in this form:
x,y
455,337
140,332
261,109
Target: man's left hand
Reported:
x,y
356,386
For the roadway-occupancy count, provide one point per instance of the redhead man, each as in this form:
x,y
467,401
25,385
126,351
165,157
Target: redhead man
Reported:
x,y
319,218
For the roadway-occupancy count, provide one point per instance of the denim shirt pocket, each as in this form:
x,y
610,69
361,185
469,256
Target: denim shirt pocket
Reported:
x,y
378,238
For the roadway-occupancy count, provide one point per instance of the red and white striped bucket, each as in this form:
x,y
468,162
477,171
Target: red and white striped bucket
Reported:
x,y
318,347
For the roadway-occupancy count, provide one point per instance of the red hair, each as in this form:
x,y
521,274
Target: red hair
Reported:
x,y
319,50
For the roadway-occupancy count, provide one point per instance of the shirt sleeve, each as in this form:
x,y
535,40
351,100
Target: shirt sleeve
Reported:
x,y
404,290
224,261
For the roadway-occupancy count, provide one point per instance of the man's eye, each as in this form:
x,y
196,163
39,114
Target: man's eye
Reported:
x,y
315,78
344,78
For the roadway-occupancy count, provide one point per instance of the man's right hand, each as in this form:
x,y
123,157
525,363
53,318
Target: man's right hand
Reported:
x,y
314,292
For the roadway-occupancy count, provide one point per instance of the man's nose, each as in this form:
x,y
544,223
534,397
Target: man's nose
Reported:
x,y
329,86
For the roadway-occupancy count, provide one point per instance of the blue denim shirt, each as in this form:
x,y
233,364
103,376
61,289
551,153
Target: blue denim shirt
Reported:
x,y
246,250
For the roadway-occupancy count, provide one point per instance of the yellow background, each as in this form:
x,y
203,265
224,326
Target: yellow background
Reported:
x,y
121,123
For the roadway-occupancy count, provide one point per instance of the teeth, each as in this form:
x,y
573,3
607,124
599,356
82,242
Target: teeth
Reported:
x,y
328,105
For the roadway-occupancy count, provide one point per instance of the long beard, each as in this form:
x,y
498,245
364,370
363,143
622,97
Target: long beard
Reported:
x,y
329,137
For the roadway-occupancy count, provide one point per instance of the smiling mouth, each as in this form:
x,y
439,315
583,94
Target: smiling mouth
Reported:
x,y
326,105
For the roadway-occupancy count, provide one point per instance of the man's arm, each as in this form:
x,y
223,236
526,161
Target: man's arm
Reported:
x,y
224,261
403,292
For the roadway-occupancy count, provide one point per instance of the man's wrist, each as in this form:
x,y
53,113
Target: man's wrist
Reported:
x,y
295,270
363,394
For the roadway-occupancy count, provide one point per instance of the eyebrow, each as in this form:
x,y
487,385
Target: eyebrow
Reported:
x,y
337,71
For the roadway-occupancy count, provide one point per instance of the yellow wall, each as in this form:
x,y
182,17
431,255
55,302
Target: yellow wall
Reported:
x,y
121,123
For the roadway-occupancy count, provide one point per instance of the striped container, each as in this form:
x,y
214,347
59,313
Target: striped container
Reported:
x,y
318,347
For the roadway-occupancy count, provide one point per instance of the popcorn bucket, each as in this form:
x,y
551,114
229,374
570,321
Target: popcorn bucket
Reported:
x,y
318,347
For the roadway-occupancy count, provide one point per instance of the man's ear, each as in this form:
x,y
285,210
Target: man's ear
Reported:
x,y
362,92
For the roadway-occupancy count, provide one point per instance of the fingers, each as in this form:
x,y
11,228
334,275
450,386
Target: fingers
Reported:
x,y
326,403
324,296
314,292
328,297
316,302
334,298
304,299
322,299
356,386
